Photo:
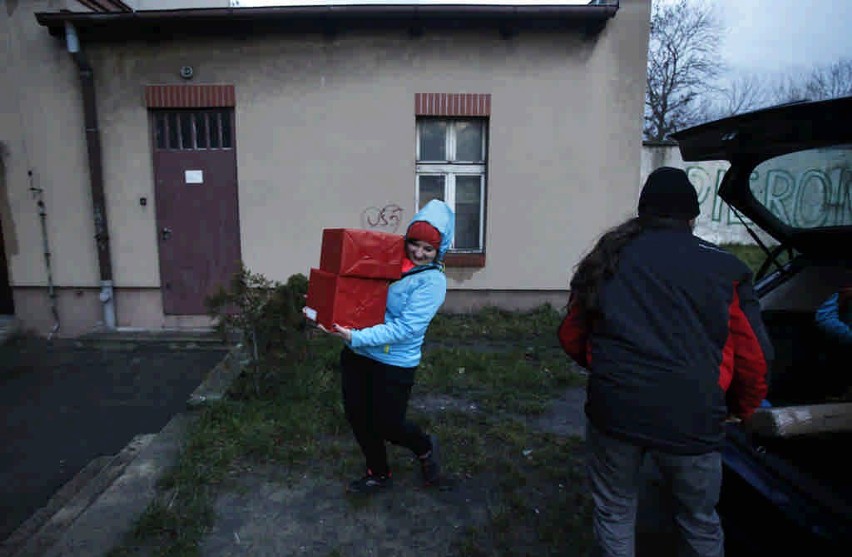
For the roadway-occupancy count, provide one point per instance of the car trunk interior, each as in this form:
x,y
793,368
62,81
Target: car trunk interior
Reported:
x,y
789,176
810,381
809,368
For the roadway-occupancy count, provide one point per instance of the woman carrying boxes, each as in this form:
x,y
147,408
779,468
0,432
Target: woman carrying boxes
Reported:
x,y
378,362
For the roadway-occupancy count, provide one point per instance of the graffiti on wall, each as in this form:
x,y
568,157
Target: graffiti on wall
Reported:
x,y
810,198
816,197
805,189
707,182
386,219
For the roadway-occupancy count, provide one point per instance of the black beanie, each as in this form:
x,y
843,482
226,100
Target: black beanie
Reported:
x,y
668,193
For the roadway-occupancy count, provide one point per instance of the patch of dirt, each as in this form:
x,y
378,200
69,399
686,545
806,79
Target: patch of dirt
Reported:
x,y
267,511
437,403
565,417
313,516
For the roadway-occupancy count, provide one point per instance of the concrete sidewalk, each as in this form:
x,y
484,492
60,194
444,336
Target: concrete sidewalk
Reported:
x,y
77,413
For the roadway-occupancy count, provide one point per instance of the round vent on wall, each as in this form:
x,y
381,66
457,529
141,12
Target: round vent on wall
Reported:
x,y
186,72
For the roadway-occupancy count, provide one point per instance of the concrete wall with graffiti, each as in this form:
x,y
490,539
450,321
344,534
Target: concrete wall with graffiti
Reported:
x,y
806,189
717,223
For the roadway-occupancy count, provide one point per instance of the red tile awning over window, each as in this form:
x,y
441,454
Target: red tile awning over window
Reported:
x,y
190,96
452,104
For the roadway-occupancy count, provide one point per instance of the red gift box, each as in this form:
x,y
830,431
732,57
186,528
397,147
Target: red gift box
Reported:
x,y
351,252
351,302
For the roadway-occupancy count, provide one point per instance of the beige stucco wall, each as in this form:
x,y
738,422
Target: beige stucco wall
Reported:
x,y
41,128
325,130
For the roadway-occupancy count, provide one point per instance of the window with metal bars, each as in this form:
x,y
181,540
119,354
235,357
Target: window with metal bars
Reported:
x,y
192,130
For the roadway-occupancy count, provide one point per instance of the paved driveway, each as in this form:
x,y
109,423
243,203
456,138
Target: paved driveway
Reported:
x,y
64,403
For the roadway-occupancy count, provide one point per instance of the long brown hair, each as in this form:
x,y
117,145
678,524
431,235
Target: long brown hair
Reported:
x,y
602,261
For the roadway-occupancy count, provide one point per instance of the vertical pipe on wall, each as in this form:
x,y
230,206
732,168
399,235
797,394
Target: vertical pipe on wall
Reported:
x,y
93,143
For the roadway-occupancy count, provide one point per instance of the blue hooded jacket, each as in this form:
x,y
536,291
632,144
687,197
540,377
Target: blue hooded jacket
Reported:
x,y
413,301
830,320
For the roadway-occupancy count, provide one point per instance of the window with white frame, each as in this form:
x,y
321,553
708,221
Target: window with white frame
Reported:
x,y
451,166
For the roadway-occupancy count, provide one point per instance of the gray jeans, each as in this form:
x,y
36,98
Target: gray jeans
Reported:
x,y
694,481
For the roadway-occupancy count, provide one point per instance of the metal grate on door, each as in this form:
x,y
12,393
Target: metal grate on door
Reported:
x,y
193,130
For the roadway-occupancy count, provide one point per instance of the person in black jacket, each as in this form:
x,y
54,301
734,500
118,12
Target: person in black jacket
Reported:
x,y
670,329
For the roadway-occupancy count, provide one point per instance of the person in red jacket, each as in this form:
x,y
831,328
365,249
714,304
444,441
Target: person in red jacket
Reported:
x,y
669,328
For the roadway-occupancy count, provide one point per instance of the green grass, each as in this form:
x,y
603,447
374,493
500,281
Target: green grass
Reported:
x,y
515,381
749,254
287,426
507,364
296,422
753,256
496,324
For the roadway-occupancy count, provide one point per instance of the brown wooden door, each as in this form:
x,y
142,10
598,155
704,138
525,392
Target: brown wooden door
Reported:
x,y
198,232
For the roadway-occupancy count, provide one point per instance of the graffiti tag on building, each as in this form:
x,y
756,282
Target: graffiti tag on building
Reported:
x,y
386,219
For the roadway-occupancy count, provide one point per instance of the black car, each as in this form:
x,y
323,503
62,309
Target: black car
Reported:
x,y
786,484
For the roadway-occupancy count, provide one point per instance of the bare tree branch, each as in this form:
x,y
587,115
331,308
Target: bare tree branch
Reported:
x,y
831,81
683,70
742,94
682,64
823,82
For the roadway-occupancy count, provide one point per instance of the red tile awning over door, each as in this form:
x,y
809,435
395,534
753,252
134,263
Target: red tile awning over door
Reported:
x,y
190,96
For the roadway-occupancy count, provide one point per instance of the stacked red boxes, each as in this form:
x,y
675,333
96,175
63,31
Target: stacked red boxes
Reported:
x,y
350,287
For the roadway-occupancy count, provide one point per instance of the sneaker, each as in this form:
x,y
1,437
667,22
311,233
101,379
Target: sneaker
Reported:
x,y
371,483
430,464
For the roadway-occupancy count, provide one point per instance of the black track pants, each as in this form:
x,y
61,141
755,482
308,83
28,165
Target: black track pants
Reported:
x,y
375,398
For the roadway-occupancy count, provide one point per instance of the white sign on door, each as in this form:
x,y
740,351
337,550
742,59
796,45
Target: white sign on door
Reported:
x,y
194,176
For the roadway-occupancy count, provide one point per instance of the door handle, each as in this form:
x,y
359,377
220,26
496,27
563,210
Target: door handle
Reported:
x,y
166,233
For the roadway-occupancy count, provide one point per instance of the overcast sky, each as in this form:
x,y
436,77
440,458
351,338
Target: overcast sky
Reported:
x,y
763,36
782,36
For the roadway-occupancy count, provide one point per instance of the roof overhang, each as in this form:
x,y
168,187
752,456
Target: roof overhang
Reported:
x,y
243,22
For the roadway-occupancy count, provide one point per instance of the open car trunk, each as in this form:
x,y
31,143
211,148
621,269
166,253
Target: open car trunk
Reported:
x,y
803,437
791,174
